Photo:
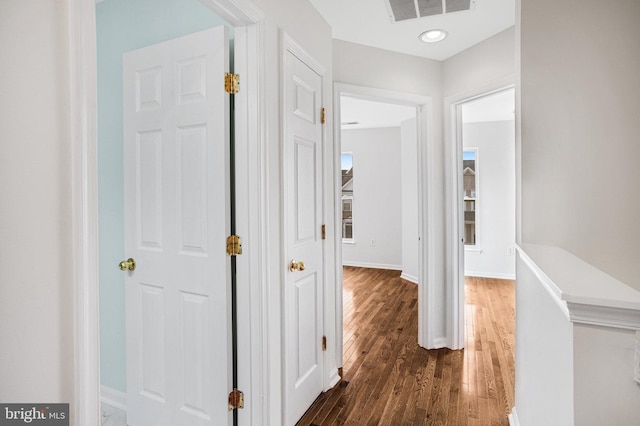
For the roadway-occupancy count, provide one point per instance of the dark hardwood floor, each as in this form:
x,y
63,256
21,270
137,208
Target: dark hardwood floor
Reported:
x,y
389,380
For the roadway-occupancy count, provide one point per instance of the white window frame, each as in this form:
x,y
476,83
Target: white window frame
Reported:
x,y
351,240
343,197
473,247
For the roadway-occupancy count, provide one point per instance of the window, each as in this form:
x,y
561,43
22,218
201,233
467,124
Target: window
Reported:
x,y
347,198
470,194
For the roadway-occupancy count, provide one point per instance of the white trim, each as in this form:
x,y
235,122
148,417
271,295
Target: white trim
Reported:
x,y
552,289
337,222
585,294
440,342
237,12
357,264
455,315
330,267
334,378
495,275
427,164
113,397
351,240
83,52
83,80
604,316
290,45
426,201
472,249
409,278
252,272
477,199
513,418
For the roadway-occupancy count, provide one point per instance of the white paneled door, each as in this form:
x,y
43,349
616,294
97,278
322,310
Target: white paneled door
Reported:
x,y
303,236
176,171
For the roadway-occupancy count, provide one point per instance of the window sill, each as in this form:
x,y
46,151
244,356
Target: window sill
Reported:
x,y
348,241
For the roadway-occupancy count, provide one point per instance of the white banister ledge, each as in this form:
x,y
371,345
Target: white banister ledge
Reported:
x,y
584,293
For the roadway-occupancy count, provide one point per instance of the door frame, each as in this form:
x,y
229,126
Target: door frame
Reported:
x,y
426,206
251,167
454,205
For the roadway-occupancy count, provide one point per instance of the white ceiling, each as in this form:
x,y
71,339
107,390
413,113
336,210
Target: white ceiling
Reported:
x,y
370,114
367,22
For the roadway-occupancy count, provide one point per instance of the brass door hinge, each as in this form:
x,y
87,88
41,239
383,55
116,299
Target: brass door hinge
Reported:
x,y
231,83
324,343
236,399
234,245
324,231
323,116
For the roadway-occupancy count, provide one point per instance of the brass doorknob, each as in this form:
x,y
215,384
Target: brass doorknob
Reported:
x,y
296,266
127,265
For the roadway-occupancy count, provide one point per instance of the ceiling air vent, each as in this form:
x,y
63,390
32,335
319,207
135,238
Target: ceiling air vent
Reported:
x,y
401,10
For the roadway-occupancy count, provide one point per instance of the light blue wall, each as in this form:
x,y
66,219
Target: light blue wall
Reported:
x,y
124,25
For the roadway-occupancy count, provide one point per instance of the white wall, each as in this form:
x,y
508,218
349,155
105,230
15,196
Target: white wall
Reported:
x,y
604,390
36,301
482,64
377,68
495,209
372,67
409,174
385,198
377,198
544,355
580,101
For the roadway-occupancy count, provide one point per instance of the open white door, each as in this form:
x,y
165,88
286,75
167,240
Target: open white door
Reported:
x,y
303,237
176,171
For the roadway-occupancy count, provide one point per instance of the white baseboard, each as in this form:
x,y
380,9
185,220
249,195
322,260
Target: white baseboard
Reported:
x,y
496,275
334,379
372,265
513,418
113,398
439,342
409,278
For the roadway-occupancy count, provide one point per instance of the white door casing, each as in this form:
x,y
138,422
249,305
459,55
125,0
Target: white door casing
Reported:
x,y
303,214
454,206
176,166
250,116
428,192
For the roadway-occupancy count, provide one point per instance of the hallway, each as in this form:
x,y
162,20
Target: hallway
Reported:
x,y
389,380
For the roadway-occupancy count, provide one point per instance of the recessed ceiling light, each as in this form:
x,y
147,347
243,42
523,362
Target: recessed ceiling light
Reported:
x,y
432,36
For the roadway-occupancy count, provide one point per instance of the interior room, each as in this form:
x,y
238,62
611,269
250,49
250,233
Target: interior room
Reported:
x,y
230,155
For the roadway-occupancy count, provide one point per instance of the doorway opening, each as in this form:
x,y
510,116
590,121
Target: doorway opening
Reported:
x,y
245,19
488,190
155,148
456,203
379,207
484,182
358,237
379,193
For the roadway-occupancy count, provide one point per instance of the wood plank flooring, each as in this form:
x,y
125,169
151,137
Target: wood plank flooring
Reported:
x,y
389,380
